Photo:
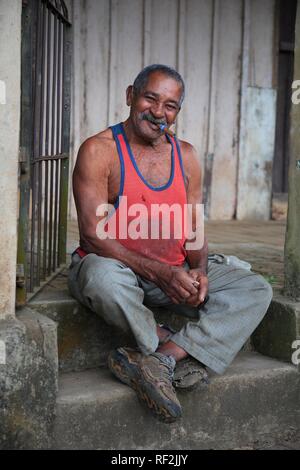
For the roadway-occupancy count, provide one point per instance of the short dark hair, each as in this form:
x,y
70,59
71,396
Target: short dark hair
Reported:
x,y
142,78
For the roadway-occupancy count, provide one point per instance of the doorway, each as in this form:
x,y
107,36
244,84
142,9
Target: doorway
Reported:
x,y
286,42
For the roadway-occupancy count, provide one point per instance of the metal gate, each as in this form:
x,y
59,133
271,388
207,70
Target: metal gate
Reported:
x,y
44,148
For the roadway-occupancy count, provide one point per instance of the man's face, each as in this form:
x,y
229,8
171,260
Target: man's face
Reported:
x,y
158,102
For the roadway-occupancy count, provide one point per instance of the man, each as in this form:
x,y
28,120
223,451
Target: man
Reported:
x,y
120,277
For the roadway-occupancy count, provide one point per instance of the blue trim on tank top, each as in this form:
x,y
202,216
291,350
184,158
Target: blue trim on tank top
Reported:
x,y
180,157
116,130
159,188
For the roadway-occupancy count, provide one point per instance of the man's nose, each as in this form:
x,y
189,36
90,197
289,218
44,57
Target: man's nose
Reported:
x,y
157,110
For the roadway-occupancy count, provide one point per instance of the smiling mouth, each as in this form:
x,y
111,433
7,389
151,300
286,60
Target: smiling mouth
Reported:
x,y
154,125
153,121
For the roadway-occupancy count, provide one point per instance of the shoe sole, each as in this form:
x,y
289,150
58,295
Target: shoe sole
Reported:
x,y
124,377
118,365
190,376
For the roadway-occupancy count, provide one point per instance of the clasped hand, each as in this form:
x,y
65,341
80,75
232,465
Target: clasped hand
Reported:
x,y
184,287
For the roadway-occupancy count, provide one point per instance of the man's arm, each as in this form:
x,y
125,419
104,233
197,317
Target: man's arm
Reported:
x,y
90,186
196,258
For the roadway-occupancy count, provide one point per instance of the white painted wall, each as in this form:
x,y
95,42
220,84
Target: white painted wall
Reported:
x,y
258,113
10,64
225,106
219,51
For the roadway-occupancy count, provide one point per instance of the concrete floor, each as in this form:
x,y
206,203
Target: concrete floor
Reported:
x,y
258,242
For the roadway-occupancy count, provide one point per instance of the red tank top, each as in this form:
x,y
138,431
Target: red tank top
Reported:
x,y
146,219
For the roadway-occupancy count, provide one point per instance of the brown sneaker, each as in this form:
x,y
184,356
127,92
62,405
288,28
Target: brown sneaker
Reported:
x,y
151,377
190,374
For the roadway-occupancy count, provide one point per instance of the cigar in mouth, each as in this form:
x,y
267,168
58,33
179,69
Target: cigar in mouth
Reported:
x,y
163,127
166,130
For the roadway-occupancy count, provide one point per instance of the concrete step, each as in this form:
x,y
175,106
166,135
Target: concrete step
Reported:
x,y
255,402
84,340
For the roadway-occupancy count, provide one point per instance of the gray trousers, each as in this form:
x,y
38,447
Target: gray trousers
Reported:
x,y
238,300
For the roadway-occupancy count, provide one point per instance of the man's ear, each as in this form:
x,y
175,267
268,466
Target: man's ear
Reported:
x,y
129,95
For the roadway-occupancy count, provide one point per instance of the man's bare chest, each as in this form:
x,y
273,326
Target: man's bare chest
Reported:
x,y
154,167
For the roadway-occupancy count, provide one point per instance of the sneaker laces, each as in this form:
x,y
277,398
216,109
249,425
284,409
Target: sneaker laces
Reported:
x,y
169,362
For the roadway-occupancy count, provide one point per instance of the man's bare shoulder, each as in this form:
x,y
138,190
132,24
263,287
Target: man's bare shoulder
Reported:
x,y
190,157
99,146
96,156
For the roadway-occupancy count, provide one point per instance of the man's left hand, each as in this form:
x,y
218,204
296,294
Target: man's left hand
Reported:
x,y
198,298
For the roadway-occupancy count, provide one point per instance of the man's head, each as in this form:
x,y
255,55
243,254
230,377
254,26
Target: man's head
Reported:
x,y
155,97
142,78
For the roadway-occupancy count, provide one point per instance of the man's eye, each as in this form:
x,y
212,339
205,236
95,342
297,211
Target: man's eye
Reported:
x,y
171,107
150,98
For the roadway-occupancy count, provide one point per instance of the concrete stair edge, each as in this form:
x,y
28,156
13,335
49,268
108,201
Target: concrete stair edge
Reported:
x,y
256,400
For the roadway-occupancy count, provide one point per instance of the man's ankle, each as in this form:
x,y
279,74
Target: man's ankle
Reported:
x,y
162,333
172,349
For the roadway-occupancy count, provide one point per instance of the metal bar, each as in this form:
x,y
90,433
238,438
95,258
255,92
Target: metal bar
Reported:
x,y
35,180
38,83
46,136
50,219
56,142
48,83
39,222
57,12
59,126
32,251
53,148
52,73
59,165
60,156
43,80
54,88
64,174
63,211
60,95
45,221
55,214
41,136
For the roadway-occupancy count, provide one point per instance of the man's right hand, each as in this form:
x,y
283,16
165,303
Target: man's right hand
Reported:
x,y
176,283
